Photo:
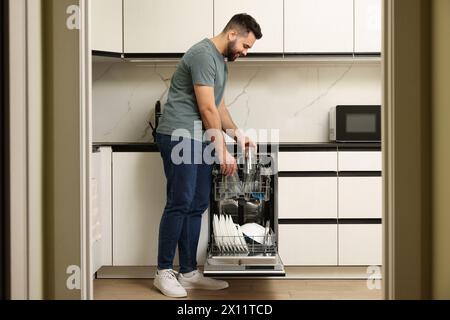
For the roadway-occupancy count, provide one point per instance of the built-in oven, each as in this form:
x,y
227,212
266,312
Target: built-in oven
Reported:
x,y
243,228
356,123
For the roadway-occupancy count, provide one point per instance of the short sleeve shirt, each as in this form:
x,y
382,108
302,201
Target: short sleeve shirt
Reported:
x,y
203,65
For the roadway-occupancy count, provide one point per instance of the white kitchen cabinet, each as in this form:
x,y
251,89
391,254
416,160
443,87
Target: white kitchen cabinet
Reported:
x,y
138,203
268,13
307,161
318,26
360,161
166,26
308,245
368,20
101,211
360,245
360,198
139,195
106,25
307,197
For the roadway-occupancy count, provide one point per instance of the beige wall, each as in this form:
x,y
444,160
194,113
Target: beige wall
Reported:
x,y
62,149
441,148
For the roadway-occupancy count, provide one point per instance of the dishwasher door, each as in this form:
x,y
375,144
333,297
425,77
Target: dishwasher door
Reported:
x,y
255,259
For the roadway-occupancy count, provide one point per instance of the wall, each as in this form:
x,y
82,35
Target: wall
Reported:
x,y
441,147
292,97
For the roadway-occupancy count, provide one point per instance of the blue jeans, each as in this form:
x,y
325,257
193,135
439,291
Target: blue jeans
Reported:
x,y
188,195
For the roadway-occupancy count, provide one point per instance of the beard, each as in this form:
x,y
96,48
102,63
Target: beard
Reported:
x,y
232,53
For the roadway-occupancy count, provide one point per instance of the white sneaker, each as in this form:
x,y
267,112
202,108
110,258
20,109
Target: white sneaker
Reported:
x,y
166,281
198,281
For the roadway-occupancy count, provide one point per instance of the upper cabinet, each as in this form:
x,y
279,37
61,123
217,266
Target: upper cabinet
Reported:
x,y
161,27
166,26
318,26
268,13
106,25
368,21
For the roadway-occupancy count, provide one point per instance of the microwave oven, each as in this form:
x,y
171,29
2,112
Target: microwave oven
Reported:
x,y
355,123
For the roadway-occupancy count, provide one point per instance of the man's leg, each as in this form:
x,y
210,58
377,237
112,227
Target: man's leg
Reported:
x,y
190,277
190,234
181,183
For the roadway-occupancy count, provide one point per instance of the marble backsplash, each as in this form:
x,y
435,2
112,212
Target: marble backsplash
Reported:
x,y
294,98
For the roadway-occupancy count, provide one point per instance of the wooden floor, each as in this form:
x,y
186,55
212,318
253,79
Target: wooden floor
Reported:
x,y
121,289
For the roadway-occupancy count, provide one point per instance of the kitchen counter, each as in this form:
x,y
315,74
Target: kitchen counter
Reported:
x,y
283,147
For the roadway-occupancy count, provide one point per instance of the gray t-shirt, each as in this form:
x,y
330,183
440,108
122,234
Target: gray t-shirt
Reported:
x,y
202,64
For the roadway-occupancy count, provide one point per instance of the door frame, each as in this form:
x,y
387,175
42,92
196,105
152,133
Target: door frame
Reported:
x,y
25,272
407,149
406,137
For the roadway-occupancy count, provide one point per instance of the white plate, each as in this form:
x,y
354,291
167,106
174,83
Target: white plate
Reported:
x,y
237,241
232,232
254,231
224,233
242,238
217,231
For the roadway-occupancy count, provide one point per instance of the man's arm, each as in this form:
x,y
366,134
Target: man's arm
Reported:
x,y
212,122
227,122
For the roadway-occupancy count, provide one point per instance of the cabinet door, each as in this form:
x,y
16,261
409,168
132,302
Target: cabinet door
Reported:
x,y
308,245
307,198
166,26
368,21
106,25
101,214
319,26
138,202
360,198
268,13
139,197
360,245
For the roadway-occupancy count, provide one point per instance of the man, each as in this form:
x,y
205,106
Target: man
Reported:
x,y
196,95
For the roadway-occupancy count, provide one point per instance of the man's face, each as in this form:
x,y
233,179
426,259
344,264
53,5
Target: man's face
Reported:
x,y
238,45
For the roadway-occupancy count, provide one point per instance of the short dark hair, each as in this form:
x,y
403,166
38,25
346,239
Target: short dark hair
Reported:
x,y
244,23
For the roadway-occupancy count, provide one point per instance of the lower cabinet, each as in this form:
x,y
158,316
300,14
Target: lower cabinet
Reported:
x,y
307,197
139,196
101,214
360,198
308,245
322,217
331,245
360,245
330,218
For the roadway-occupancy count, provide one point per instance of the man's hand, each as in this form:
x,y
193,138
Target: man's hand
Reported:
x,y
228,164
244,142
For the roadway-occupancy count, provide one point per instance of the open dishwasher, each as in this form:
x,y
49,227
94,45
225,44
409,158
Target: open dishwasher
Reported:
x,y
243,238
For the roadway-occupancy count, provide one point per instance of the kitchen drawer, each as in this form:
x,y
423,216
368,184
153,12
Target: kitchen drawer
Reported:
x,y
360,161
308,245
307,161
360,245
307,197
360,198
